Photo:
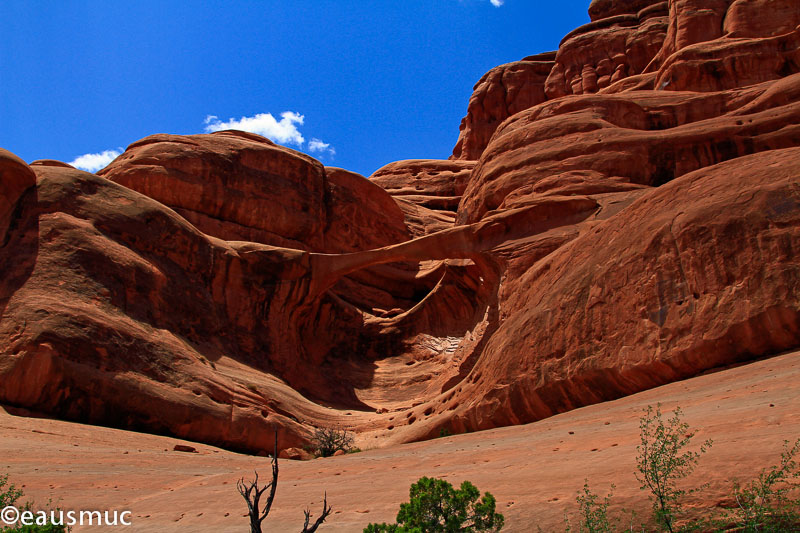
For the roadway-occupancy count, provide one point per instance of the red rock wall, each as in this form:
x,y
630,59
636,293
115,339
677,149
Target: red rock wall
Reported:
x,y
608,50
225,184
646,138
679,45
621,40
500,93
699,273
427,190
761,18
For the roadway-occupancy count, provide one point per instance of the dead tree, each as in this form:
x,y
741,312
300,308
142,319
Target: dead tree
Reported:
x,y
252,493
326,511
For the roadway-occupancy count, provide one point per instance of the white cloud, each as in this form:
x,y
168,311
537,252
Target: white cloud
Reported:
x,y
497,3
94,162
317,146
282,131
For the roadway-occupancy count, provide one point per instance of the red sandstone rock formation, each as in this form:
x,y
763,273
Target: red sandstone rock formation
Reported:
x,y
620,41
115,309
590,246
240,186
15,179
427,190
699,273
613,141
678,45
500,93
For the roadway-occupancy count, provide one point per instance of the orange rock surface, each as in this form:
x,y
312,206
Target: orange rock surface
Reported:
x,y
242,187
620,43
500,93
675,45
427,190
622,218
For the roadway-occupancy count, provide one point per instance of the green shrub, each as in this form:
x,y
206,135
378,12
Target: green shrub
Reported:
x,y
663,461
435,506
9,496
770,503
765,504
593,513
49,528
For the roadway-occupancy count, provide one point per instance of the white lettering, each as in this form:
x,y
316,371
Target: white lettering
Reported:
x,y
91,515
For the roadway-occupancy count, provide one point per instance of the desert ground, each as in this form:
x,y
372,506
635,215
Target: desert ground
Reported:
x,y
534,470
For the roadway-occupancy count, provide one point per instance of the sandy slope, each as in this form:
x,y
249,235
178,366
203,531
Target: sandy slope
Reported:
x,y
533,470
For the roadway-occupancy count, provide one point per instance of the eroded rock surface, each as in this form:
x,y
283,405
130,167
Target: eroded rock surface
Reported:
x,y
609,49
697,274
427,190
500,93
616,216
676,45
613,141
242,187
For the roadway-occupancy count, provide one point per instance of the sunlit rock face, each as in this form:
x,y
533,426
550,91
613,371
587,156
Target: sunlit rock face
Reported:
x,y
500,93
680,45
618,214
620,42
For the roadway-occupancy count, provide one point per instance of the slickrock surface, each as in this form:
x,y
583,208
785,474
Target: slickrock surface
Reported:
x,y
618,215
535,471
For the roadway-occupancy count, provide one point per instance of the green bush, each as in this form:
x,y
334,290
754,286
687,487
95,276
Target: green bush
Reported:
x,y
766,504
770,503
663,461
49,528
435,506
9,496
593,513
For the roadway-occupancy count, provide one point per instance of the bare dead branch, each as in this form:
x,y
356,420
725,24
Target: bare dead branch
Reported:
x,y
252,493
326,511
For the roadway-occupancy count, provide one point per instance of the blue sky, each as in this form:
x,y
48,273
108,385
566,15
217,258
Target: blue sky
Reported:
x,y
357,84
